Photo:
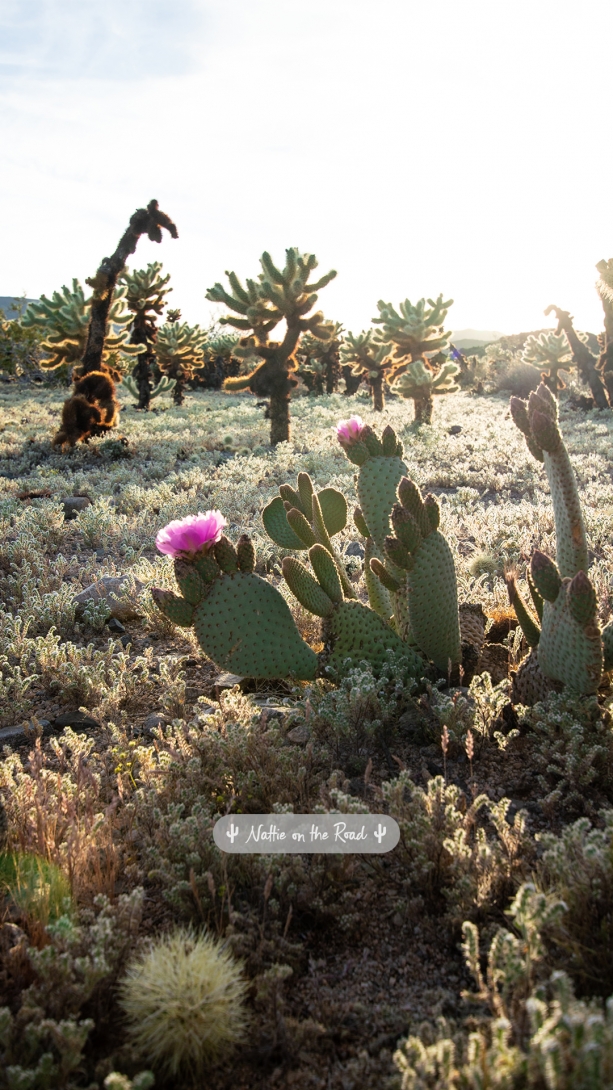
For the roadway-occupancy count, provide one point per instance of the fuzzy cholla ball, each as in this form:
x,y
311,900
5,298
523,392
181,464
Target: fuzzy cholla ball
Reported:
x,y
184,998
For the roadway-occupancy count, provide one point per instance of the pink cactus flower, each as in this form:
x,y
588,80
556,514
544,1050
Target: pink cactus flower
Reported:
x,y
191,534
349,431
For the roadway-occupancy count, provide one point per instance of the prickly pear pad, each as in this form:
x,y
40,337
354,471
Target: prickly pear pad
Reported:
x,y
569,651
435,625
245,626
378,481
358,633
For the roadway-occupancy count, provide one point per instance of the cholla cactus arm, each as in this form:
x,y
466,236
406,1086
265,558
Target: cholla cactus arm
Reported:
x,y
242,622
419,548
420,384
277,294
64,320
417,329
551,352
538,420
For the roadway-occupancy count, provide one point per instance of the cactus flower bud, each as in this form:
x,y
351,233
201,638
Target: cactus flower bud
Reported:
x,y
349,431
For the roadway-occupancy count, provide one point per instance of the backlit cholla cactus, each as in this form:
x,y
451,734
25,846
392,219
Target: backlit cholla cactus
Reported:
x,y
146,298
371,359
63,322
320,368
277,295
414,336
180,352
549,351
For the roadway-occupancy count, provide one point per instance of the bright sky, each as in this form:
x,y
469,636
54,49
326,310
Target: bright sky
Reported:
x,y
455,146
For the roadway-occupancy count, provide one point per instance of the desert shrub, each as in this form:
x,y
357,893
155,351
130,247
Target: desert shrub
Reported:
x,y
42,1043
450,863
477,709
571,752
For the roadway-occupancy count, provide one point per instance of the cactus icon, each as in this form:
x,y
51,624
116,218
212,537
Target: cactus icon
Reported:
x,y
380,832
232,832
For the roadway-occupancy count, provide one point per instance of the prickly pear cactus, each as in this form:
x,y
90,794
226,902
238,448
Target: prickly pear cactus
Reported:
x,y
570,649
380,470
419,548
538,420
242,622
299,518
351,630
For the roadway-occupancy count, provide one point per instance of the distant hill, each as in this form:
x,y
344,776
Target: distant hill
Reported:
x,y
6,304
466,338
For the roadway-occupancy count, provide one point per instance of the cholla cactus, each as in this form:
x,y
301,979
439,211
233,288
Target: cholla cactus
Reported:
x,y
275,296
164,386
414,335
146,298
370,358
585,362
550,351
184,998
420,383
180,352
319,361
63,321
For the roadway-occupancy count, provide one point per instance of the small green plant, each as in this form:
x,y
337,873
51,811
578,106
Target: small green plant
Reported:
x,y
184,999
33,887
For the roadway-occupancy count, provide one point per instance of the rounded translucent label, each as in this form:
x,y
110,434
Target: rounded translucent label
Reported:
x,y
300,833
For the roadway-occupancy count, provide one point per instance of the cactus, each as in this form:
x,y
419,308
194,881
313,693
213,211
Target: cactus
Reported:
x,y
63,321
538,420
319,361
164,386
413,335
146,297
550,351
568,643
242,622
277,295
351,630
420,383
419,548
585,362
380,470
180,352
370,358
298,519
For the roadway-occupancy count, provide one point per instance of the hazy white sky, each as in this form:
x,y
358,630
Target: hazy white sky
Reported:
x,y
460,146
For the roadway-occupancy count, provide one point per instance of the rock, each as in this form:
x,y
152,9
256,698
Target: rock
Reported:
x,y
455,429
273,711
77,720
111,588
299,736
227,681
24,733
73,504
125,641
152,722
355,549
116,626
205,709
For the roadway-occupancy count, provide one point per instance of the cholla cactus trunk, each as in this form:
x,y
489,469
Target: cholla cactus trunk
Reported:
x,y
142,370
376,386
148,221
423,409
